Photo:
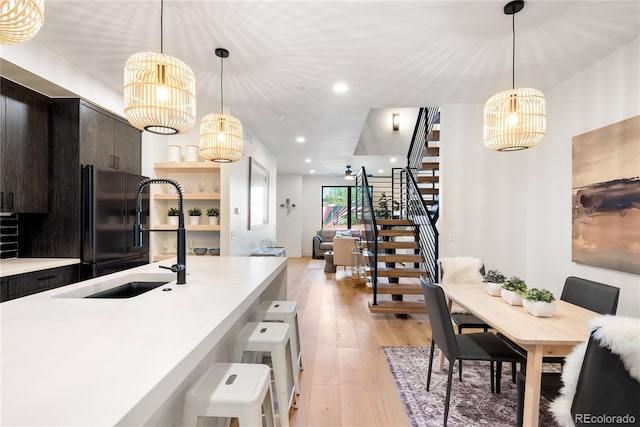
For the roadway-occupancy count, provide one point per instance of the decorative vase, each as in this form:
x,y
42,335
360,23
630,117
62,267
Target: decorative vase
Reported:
x,y
172,220
511,298
193,153
175,153
493,289
213,220
194,220
539,308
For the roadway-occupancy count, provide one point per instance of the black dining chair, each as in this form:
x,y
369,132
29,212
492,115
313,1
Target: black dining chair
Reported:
x,y
475,346
594,296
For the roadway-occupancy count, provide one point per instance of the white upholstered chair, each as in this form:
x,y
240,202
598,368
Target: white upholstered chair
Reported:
x,y
343,250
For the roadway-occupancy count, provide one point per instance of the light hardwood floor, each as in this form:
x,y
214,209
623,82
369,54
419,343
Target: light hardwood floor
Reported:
x,y
346,381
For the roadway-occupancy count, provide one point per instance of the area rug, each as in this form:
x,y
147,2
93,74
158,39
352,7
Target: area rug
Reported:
x,y
472,403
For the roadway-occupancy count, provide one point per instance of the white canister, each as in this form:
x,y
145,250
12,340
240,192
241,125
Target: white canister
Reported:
x,y
175,153
193,153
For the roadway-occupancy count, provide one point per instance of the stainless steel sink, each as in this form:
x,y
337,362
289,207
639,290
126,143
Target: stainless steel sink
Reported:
x,y
128,290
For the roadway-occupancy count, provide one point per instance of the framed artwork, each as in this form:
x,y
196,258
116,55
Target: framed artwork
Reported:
x,y
258,195
606,197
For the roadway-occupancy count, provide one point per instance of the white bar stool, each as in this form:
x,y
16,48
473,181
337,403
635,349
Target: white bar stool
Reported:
x,y
232,390
287,312
274,338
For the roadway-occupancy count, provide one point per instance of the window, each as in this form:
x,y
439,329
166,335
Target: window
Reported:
x,y
339,208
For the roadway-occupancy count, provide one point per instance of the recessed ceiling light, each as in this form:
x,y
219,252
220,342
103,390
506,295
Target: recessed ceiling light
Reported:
x,y
340,88
300,139
380,170
307,160
393,160
312,171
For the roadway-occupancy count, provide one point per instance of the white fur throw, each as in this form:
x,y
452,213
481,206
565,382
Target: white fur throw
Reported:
x,y
622,336
460,270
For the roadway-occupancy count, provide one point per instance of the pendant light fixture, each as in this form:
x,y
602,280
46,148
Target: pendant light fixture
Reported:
x,y
221,134
514,119
20,20
159,91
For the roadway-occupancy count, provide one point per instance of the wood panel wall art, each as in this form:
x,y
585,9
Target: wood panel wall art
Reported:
x,y
606,197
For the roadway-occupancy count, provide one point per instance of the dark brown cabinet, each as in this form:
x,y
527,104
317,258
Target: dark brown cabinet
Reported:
x,y
108,142
24,150
80,134
25,284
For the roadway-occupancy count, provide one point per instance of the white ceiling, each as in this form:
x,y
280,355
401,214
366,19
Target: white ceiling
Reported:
x,y
286,57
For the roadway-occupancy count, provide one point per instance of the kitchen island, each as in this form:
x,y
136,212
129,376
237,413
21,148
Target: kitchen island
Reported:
x,y
69,360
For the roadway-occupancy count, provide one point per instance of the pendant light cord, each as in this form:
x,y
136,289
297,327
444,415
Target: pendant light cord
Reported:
x,y
513,53
161,26
221,90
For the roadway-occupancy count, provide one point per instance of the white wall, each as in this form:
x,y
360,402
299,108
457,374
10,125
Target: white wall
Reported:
x,y
513,210
604,93
289,226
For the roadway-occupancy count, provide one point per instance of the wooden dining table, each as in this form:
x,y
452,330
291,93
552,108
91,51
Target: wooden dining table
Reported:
x,y
539,336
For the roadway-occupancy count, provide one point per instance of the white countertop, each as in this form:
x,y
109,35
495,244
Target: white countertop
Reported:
x,y
10,267
74,361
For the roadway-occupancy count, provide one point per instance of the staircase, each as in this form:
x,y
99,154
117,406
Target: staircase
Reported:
x,y
399,271
402,251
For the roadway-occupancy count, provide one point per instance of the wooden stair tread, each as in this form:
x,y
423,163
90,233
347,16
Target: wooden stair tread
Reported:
x,y
431,151
399,307
395,232
434,135
397,245
398,257
429,191
397,288
392,222
430,202
430,165
398,272
427,178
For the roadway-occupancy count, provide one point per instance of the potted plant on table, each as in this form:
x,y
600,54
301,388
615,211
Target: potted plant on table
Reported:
x,y
194,216
539,302
213,214
513,290
172,216
493,281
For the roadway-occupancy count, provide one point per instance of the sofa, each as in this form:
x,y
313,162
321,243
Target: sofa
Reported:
x,y
323,240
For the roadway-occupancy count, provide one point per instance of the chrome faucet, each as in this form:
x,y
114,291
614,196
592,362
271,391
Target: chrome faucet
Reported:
x,y
138,229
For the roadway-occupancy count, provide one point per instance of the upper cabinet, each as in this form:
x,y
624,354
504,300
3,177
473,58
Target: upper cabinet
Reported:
x,y
108,142
24,150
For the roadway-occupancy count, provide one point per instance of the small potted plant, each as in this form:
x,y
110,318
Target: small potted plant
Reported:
x,y
194,216
513,290
172,216
539,302
493,281
213,214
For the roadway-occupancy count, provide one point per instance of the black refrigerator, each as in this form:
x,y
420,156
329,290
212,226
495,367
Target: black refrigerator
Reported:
x,y
108,215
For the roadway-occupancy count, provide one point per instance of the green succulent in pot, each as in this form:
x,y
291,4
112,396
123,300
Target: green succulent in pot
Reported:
x,y
195,212
542,295
173,212
213,212
515,284
494,276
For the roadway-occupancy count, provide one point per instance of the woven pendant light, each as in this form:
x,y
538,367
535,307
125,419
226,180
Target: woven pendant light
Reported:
x,y
221,134
159,92
514,119
20,20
